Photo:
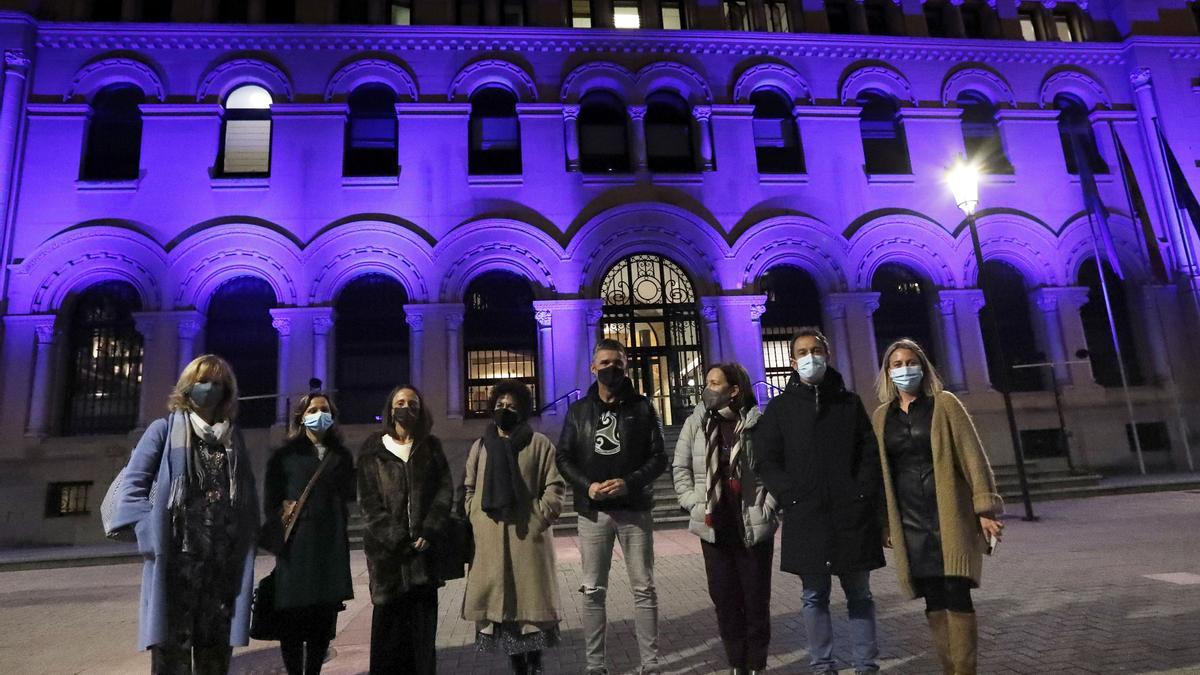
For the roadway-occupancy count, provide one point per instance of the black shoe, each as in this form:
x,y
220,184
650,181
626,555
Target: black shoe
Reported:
x,y
520,664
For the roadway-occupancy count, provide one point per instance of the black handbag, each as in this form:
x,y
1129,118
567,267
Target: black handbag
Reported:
x,y
264,618
454,548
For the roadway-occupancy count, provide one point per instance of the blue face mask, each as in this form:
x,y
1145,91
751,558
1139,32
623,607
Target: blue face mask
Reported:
x,y
907,378
811,368
318,421
205,394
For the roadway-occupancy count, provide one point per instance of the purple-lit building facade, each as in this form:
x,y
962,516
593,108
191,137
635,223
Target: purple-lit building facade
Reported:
x,y
447,204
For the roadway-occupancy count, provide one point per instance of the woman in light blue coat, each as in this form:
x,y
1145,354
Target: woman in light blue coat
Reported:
x,y
731,512
189,494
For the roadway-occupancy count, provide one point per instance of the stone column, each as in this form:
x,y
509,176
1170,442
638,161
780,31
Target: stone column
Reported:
x,y
637,136
595,315
149,401
702,115
838,333
1069,300
955,378
46,338
283,326
712,329
322,324
16,67
188,326
854,350
1046,300
968,302
454,364
739,320
571,135
416,345
545,320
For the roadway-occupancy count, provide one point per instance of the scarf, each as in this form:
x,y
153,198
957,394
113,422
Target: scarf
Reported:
x,y
713,488
502,482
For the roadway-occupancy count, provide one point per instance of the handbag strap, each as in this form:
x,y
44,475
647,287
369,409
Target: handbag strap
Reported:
x,y
304,495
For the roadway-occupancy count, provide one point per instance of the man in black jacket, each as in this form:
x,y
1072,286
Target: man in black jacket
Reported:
x,y
816,453
611,451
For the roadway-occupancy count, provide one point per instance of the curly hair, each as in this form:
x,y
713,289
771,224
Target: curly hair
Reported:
x,y
520,394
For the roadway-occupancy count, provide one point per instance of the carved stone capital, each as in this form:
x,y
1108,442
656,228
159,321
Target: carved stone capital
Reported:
x,y
282,326
1140,77
15,59
637,112
415,321
45,333
322,325
188,329
543,317
571,112
454,320
757,311
702,113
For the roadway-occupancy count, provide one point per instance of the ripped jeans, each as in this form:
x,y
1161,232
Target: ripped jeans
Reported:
x,y
634,530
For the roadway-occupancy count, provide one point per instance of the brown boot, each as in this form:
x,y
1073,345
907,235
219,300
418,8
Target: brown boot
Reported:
x,y
964,638
940,628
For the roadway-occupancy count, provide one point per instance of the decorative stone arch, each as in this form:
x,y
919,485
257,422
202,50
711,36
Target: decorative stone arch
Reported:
x,y
107,70
498,244
350,250
371,70
599,75
493,72
1083,85
981,79
777,75
73,260
651,227
1075,248
917,242
675,77
880,77
1024,244
200,265
229,75
789,240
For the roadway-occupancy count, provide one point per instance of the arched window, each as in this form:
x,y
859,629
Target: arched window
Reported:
x,y
793,301
104,368
981,135
603,134
776,139
778,20
627,14
1006,289
650,307
1075,131
371,132
114,136
495,132
239,329
371,345
904,300
668,126
499,337
246,133
884,144
1098,333
579,13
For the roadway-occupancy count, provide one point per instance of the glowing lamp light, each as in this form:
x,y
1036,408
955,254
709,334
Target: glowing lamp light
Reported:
x,y
963,179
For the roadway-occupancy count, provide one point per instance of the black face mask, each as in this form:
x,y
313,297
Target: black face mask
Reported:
x,y
611,376
506,418
405,417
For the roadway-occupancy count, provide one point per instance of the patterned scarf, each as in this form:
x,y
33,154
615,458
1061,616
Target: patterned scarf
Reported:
x,y
712,458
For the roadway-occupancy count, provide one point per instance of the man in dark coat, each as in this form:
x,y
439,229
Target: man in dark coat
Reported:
x,y
816,453
611,451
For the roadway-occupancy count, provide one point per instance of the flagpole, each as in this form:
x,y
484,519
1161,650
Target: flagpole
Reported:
x,y
1185,238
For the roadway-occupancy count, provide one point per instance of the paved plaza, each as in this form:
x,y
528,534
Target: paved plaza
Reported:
x,y
1100,585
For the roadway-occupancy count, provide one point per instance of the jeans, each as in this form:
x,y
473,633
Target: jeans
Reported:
x,y
739,583
819,627
634,531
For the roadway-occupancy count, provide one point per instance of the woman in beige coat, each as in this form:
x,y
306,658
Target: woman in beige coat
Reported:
x,y
514,493
942,505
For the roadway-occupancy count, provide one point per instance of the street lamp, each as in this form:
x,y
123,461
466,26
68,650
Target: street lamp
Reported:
x,y
964,185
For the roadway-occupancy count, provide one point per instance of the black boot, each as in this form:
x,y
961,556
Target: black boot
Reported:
x,y
520,664
533,661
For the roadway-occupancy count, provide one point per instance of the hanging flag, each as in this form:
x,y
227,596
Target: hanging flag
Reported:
x,y
1091,201
1142,216
1183,190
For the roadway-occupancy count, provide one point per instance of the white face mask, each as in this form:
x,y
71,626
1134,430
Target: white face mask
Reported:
x,y
907,378
318,421
811,368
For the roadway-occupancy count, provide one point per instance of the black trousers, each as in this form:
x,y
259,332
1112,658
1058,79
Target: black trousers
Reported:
x,y
404,634
198,660
739,582
942,593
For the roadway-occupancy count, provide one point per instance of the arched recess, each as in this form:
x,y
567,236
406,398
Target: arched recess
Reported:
x,y
905,306
77,258
793,301
916,241
974,77
494,72
1082,85
1078,238
676,77
112,69
1020,242
1007,287
239,328
599,75
878,77
208,258
787,240
499,336
477,247
228,75
647,227
371,342
780,76
367,70
351,249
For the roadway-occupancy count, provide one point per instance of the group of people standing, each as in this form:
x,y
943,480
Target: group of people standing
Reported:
x,y
844,485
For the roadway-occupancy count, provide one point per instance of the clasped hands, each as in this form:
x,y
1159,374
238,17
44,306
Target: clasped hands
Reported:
x,y
613,487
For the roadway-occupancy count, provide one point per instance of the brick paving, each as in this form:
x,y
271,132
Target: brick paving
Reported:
x,y
1074,593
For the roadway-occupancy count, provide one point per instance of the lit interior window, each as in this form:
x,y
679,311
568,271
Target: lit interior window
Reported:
x,y
625,15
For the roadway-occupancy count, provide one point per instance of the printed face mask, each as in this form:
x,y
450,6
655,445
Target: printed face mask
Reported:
x,y
811,368
907,378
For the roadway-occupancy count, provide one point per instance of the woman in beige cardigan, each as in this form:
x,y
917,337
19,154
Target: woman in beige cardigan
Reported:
x,y
514,493
941,498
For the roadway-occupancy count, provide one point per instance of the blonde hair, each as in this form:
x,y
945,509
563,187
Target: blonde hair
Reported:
x,y
885,389
210,368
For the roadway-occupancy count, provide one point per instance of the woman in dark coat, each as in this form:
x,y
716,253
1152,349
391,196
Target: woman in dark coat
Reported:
x,y
312,574
405,494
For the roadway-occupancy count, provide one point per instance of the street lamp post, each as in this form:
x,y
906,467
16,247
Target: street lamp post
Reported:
x,y
964,184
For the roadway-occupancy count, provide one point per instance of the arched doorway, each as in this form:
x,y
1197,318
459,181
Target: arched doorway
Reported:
x,y
650,307
903,308
793,301
239,329
371,345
